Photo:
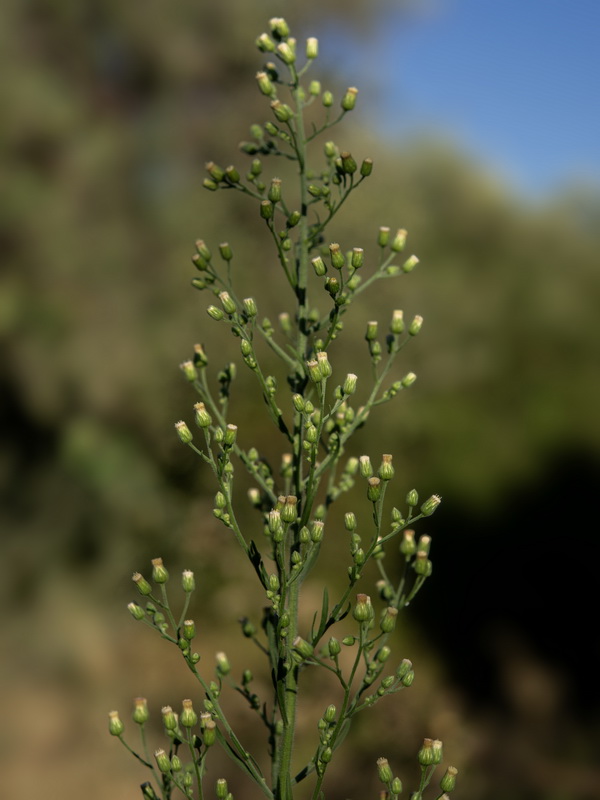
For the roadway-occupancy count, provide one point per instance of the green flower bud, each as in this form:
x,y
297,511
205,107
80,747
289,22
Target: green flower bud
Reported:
x,y
388,620
410,264
326,755
386,470
274,193
334,648
330,712
200,359
279,28
412,498
189,629
416,325
366,470
404,668
232,175
147,791
349,99
358,257
383,236
316,530
430,505
408,379
437,751
396,786
366,168
363,610
289,512
421,564
424,544
407,545
265,44
159,572
373,489
250,308
293,219
215,172
266,209
169,718
189,370
137,612
397,323
426,755
319,266
142,584
162,760
324,365
203,418
221,789
398,241
188,717
382,656
256,167
202,249
350,521
209,184
384,771
314,371
349,386
302,647
349,165
184,433
327,99
230,436
140,710
209,732
371,333
312,48
264,84
215,313
282,111
188,582
332,285
448,781
314,88
337,257
223,665
225,251
115,725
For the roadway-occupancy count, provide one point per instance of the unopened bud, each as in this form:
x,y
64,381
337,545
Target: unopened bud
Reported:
x,y
137,612
184,433
312,48
416,325
373,489
302,647
410,264
327,99
366,168
189,370
169,718
140,710
142,584
225,251
398,241
223,665
285,53
203,418
384,771
448,781
430,505
337,257
386,470
425,755
388,620
349,386
115,725
349,99
265,44
162,760
363,610
159,571
188,716
397,324
189,629
366,470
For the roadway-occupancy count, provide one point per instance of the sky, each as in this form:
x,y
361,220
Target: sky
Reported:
x,y
514,82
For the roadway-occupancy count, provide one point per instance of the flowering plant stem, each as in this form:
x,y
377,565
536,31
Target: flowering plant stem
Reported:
x,y
316,425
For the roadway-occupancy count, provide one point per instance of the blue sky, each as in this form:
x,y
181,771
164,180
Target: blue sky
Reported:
x,y
515,82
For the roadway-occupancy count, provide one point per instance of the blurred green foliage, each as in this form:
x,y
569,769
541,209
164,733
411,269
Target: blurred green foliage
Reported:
x,y
109,112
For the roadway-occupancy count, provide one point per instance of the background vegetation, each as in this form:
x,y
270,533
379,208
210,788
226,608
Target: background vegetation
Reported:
x,y
110,110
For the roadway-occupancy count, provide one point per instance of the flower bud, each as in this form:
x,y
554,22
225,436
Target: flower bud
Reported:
x,y
371,333
437,751
404,668
398,241
209,731
327,99
388,620
357,258
142,584
330,712
286,53
410,264
115,725
430,505
324,365
366,168
189,370
289,512
448,781
266,209
137,612
279,28
334,647
386,470
314,88
223,665
282,111
302,647
203,418
209,184
349,99
382,656
349,165
407,545
189,629
373,489
232,175
384,771
366,470
162,760
397,324
265,44
425,755
363,610
264,84
383,236
319,266
188,717
225,251
215,313
422,565
396,786
293,219
408,379
169,718
416,325
140,710
250,308
337,257
184,433
159,572
316,530
314,371
221,789
412,498
230,436
312,48
274,193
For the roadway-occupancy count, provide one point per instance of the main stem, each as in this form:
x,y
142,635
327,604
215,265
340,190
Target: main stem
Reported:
x,y
283,790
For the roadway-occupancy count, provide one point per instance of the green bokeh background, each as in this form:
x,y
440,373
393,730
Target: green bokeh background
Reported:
x,y
110,111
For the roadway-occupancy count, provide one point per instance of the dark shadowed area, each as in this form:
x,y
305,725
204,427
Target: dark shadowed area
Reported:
x,y
110,111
